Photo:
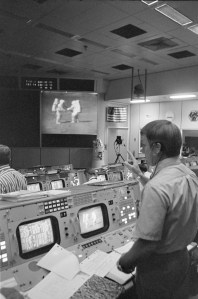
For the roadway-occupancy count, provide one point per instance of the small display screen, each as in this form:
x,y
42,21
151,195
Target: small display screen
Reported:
x,y
115,176
91,219
101,177
34,187
57,184
36,235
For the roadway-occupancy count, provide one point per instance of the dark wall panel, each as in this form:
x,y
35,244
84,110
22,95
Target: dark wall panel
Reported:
x,y
81,158
54,156
19,118
25,157
60,140
76,85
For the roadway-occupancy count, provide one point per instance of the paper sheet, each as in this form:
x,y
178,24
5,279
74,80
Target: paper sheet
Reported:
x,y
60,261
99,263
125,248
54,286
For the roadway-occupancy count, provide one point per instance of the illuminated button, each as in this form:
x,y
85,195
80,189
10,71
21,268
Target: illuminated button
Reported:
x,y
51,210
2,243
4,255
4,260
50,206
123,208
59,209
58,204
46,207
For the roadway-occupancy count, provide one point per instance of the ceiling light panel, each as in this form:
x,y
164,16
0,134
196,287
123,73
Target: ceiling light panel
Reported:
x,y
194,28
173,14
147,2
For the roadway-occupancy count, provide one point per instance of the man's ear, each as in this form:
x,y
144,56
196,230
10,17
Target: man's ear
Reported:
x,y
157,147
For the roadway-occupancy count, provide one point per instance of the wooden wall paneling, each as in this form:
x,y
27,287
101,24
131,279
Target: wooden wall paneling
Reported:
x,y
25,157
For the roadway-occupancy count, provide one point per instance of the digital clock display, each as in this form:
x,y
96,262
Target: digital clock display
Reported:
x,y
39,83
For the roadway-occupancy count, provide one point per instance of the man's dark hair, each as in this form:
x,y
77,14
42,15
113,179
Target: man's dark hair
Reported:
x,y
5,154
166,133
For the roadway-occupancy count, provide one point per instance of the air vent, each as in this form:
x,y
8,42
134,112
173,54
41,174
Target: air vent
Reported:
x,y
128,31
122,67
32,67
40,1
99,72
90,42
57,72
158,44
149,61
124,53
54,30
68,52
182,54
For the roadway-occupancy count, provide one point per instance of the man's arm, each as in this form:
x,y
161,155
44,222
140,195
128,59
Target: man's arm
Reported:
x,y
141,250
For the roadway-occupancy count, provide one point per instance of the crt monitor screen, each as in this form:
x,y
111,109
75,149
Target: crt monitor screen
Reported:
x,y
115,176
34,187
58,184
37,236
93,220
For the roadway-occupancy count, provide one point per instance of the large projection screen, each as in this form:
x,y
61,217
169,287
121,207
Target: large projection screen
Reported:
x,y
68,113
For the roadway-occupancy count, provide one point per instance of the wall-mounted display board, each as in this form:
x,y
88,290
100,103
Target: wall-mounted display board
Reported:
x,y
68,119
68,113
39,83
19,118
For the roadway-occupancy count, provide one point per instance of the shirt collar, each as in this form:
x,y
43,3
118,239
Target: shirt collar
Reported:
x,y
4,167
166,162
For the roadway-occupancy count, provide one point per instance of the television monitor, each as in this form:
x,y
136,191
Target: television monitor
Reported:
x,y
57,184
68,113
115,176
37,236
101,177
34,187
93,220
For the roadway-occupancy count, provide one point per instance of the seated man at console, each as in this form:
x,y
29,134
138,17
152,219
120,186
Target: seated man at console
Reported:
x,y
10,179
168,219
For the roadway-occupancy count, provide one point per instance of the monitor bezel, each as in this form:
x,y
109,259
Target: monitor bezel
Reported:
x,y
105,221
60,179
44,249
40,184
121,176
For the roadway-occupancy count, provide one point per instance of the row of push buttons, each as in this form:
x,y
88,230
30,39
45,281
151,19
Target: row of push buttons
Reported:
x,y
91,243
55,205
3,254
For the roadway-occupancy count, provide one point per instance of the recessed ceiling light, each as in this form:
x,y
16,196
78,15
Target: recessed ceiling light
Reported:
x,y
139,101
194,28
147,2
173,14
183,96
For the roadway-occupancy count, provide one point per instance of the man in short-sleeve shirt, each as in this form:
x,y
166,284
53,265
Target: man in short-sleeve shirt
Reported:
x,y
168,219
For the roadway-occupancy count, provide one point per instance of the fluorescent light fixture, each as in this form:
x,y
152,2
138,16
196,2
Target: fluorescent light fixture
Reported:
x,y
194,28
183,96
139,101
173,14
147,2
